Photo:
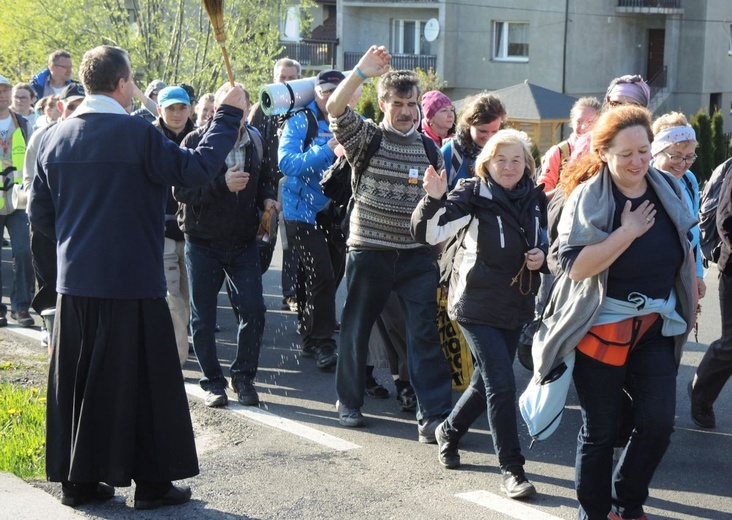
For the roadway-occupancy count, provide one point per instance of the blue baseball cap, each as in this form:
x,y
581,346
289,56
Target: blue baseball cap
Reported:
x,y
172,95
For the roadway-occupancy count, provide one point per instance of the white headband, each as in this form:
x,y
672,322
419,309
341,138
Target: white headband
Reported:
x,y
669,136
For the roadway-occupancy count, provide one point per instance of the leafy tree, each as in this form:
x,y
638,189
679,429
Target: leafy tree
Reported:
x,y
719,139
167,39
430,80
704,165
368,103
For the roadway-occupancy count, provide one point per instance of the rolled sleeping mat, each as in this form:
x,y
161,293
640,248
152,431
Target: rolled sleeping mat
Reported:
x,y
280,98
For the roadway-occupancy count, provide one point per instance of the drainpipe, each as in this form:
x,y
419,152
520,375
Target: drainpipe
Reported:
x,y
564,50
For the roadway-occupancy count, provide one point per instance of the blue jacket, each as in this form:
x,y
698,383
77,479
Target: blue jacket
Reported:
x,y
101,186
302,196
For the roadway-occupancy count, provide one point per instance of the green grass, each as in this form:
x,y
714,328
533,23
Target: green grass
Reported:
x,y
22,430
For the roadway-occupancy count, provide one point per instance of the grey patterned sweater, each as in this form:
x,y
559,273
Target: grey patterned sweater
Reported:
x,y
391,186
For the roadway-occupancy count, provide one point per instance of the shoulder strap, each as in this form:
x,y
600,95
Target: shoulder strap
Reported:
x,y
371,149
431,148
312,132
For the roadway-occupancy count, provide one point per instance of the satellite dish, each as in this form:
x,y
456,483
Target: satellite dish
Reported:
x,y
431,29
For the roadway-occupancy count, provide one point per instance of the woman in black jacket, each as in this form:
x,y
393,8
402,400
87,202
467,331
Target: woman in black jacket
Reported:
x,y
500,214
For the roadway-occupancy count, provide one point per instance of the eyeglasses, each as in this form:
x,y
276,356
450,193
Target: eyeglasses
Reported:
x,y
65,67
21,98
678,159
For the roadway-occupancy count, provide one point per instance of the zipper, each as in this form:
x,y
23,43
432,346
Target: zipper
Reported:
x,y
500,227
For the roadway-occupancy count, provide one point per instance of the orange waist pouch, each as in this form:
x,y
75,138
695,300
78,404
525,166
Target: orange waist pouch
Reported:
x,y
611,343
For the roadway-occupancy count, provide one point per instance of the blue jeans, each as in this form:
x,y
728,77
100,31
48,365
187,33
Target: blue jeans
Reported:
x,y
21,290
492,387
206,267
370,277
649,376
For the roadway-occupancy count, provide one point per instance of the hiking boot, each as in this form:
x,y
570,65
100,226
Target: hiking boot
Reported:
x,y
351,417
515,484
325,356
246,394
426,430
176,495
375,390
406,398
216,398
74,495
447,453
23,318
702,415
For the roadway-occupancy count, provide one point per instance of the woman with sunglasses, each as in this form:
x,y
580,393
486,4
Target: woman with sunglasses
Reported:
x,y
674,143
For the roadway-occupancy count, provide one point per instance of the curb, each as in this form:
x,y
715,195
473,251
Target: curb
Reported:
x,y
23,501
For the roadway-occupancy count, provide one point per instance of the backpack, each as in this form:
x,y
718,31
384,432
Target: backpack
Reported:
x,y
710,241
312,131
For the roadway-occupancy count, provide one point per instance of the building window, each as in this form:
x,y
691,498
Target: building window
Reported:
x,y
511,41
407,37
290,25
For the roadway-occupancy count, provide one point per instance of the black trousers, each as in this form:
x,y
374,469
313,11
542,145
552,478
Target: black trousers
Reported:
x,y
321,266
716,366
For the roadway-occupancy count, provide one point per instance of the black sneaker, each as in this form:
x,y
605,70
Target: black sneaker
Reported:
x,y
23,318
702,415
515,484
447,453
176,495
325,356
308,350
246,394
406,398
3,320
216,398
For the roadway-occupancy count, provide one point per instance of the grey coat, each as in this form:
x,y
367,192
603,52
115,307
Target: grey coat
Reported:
x,y
573,306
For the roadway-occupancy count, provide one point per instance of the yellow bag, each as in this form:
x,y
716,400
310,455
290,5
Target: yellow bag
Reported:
x,y
453,343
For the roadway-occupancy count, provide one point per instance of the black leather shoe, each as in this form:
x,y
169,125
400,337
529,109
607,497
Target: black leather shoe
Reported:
x,y
447,453
325,356
175,496
702,415
246,394
515,484
74,495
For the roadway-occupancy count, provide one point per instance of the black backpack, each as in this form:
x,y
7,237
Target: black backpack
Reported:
x,y
710,241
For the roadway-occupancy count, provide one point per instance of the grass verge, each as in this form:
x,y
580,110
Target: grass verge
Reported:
x,y
22,429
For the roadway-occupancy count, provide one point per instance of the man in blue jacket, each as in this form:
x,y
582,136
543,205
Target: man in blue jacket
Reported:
x,y
117,409
55,77
303,160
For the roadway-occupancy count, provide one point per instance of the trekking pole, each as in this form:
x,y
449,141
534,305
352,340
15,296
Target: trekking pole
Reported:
x,y
215,11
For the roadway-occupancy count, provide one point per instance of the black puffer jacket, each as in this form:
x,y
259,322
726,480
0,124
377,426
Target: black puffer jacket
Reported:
x,y
212,214
491,254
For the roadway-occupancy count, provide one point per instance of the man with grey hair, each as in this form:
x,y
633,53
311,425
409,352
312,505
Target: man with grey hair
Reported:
x,y
382,254
220,220
117,409
55,77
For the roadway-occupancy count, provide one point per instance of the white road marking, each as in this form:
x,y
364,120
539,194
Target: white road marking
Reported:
x,y
280,423
507,506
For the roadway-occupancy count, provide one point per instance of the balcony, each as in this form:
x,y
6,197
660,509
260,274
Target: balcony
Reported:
x,y
650,6
398,61
312,54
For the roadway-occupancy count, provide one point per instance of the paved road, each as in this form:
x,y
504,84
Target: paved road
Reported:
x,y
291,459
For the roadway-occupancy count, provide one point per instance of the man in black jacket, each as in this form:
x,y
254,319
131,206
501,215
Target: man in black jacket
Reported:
x,y
220,222
174,109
